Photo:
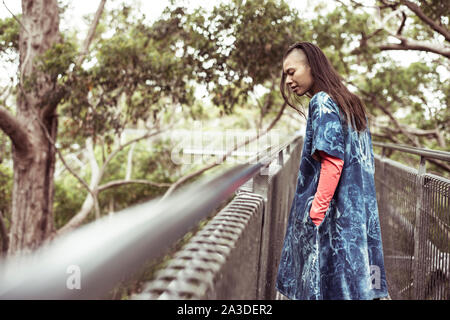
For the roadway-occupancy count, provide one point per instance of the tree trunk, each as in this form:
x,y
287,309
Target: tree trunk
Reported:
x,y
34,159
32,203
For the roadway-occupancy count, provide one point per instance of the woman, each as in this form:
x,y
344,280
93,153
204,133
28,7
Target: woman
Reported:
x,y
332,248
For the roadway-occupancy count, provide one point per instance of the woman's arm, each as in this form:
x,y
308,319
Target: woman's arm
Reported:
x,y
330,172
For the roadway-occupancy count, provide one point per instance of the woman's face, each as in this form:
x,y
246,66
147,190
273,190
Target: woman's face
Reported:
x,y
298,73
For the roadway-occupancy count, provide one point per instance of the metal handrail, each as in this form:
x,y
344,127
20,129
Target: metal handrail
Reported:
x,y
413,212
423,152
109,250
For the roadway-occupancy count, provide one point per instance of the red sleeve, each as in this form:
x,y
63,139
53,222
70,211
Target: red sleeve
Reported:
x,y
330,172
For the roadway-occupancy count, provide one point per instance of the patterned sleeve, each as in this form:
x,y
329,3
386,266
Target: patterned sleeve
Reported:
x,y
327,132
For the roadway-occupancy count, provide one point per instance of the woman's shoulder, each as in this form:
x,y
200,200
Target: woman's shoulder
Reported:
x,y
322,101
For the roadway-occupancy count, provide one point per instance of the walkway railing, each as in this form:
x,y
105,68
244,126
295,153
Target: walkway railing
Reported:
x,y
236,255
236,249
414,212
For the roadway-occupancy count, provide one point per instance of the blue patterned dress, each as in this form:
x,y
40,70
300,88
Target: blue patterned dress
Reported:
x,y
342,258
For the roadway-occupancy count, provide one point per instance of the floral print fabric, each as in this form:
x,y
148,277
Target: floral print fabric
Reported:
x,y
342,258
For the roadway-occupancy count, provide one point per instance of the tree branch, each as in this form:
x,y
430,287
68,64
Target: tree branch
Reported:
x,y
91,33
121,147
385,110
6,90
405,43
408,44
390,136
432,133
91,200
15,131
95,176
129,170
401,128
384,136
430,22
117,183
387,4
15,18
402,25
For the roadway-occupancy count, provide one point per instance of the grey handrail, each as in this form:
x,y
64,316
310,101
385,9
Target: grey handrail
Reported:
x,y
111,249
423,152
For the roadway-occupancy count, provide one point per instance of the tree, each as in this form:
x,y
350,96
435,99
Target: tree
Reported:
x,y
34,126
33,155
136,76
234,49
237,47
430,20
134,65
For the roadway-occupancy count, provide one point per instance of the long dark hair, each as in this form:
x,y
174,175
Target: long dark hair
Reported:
x,y
327,79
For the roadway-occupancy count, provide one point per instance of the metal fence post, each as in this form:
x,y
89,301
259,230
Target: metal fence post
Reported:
x,y
261,187
420,235
382,183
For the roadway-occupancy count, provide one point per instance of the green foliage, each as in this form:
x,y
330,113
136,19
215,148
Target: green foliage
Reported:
x,y
6,183
151,164
237,46
6,175
436,10
55,62
68,199
132,72
9,34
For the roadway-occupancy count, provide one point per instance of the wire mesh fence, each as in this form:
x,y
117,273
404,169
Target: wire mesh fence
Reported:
x,y
415,224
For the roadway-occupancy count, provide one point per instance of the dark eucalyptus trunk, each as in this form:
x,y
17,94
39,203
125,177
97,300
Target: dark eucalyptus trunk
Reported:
x,y
34,159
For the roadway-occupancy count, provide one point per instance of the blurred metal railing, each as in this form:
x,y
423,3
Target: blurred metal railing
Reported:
x,y
236,255
105,252
414,213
